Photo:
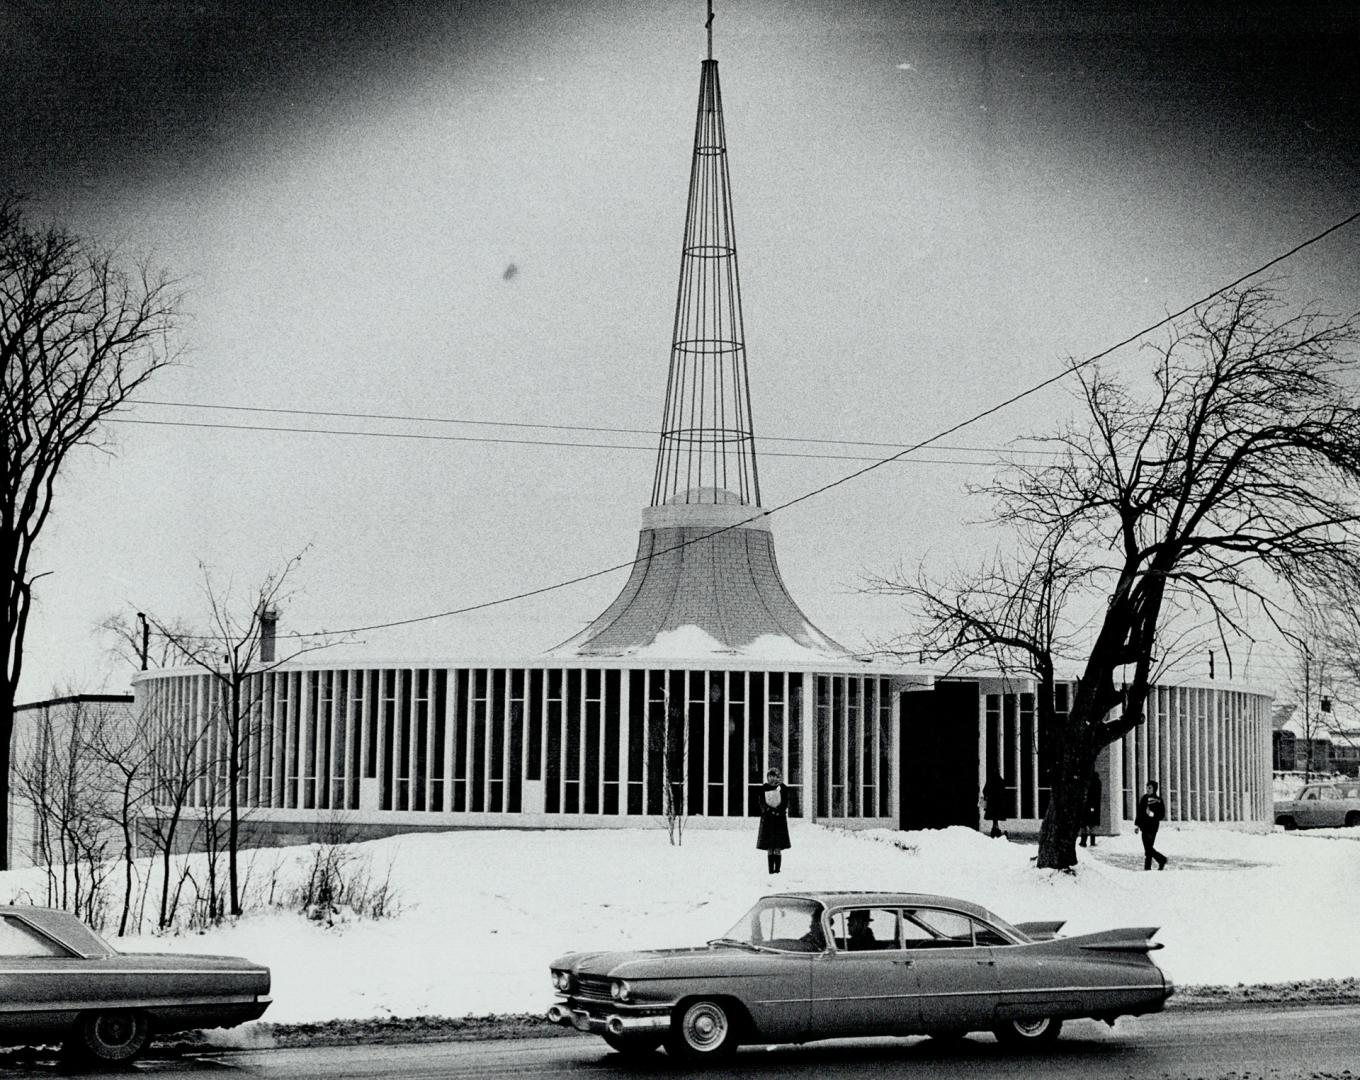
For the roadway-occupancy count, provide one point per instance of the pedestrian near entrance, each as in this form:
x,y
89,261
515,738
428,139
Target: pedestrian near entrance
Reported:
x,y
773,837
994,801
1151,813
1090,817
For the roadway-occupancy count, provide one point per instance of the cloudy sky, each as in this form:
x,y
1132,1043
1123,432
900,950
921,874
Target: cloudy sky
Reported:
x,y
468,216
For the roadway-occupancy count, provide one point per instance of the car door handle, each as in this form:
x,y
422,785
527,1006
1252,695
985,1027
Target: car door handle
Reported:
x,y
902,963
986,963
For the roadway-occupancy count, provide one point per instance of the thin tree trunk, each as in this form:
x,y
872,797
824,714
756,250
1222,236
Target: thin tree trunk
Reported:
x,y
233,809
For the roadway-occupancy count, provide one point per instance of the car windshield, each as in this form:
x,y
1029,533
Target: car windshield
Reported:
x,y
787,923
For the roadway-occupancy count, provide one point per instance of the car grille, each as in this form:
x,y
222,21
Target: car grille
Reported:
x,y
592,987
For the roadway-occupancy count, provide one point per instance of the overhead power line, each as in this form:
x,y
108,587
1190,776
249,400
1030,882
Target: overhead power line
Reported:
x,y
348,415
942,434
521,442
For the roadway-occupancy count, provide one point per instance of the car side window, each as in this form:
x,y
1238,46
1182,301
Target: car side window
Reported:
x,y
1309,794
988,935
18,939
948,927
1330,793
914,935
865,929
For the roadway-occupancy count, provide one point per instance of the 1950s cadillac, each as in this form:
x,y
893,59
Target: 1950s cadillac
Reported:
x,y
61,980
821,965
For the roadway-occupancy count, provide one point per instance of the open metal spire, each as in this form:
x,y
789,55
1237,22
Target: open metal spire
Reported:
x,y
705,581
707,449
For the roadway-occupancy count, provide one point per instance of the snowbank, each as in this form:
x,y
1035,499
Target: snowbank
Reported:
x,y
482,913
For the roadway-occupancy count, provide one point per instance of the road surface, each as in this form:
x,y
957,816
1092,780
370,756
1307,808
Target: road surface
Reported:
x,y
1269,1043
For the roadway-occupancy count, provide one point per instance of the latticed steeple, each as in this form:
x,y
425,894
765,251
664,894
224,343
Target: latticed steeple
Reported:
x,y
707,447
705,580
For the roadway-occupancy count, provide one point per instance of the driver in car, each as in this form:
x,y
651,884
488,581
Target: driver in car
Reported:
x,y
814,940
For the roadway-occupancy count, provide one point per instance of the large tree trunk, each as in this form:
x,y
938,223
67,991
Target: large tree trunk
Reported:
x,y
1067,805
6,735
1082,737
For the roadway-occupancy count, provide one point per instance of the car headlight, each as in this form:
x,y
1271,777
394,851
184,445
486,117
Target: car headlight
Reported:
x,y
619,990
561,981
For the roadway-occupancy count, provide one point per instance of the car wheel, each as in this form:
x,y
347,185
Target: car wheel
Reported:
x,y
702,1031
112,1037
1352,819
1286,823
632,1045
1028,1032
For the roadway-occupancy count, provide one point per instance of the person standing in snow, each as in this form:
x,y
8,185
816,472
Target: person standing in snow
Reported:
x,y
773,837
1151,813
1090,817
994,801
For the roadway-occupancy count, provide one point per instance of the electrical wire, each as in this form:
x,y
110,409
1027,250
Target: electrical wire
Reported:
x,y
823,489
519,424
524,442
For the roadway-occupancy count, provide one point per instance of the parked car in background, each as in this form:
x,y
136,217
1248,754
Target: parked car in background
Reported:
x,y
60,980
821,965
1329,805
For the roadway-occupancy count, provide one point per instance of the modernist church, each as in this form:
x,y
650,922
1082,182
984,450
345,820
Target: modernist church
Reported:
x,y
700,676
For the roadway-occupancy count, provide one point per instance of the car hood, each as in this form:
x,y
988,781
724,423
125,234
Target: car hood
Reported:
x,y
670,963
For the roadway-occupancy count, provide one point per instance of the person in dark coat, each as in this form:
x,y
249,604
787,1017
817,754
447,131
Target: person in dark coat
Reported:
x,y
994,801
1090,816
773,837
1149,817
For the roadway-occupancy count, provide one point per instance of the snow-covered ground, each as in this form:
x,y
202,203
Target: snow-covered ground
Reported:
x,y
483,912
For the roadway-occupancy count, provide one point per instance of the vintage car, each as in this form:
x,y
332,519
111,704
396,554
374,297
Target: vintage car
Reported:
x,y
1321,806
60,980
820,965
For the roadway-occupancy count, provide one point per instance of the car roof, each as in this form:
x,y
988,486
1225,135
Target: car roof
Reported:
x,y
863,898
62,927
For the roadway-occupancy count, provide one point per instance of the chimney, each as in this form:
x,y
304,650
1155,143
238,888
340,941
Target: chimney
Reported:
x,y
269,625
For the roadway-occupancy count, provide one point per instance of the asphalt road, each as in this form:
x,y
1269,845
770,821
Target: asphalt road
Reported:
x,y
1238,1043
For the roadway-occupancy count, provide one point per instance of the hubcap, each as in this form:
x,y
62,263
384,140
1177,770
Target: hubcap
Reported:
x,y
1031,1028
705,1026
114,1030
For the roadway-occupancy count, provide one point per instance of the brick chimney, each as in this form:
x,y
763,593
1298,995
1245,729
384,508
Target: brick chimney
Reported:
x,y
269,625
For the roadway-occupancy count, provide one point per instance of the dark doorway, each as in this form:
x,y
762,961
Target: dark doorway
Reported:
x,y
939,756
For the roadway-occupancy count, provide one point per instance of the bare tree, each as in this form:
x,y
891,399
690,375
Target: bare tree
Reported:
x,y
79,334
1325,681
178,763
236,649
123,754
66,790
1239,468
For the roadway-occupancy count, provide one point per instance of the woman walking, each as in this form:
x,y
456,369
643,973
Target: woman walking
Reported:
x,y
773,837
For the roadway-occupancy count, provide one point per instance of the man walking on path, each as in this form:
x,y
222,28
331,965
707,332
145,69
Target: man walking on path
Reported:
x,y
1151,813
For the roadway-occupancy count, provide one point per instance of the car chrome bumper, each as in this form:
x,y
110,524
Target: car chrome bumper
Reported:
x,y
613,1024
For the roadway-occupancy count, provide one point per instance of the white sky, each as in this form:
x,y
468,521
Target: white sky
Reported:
x,y
933,209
